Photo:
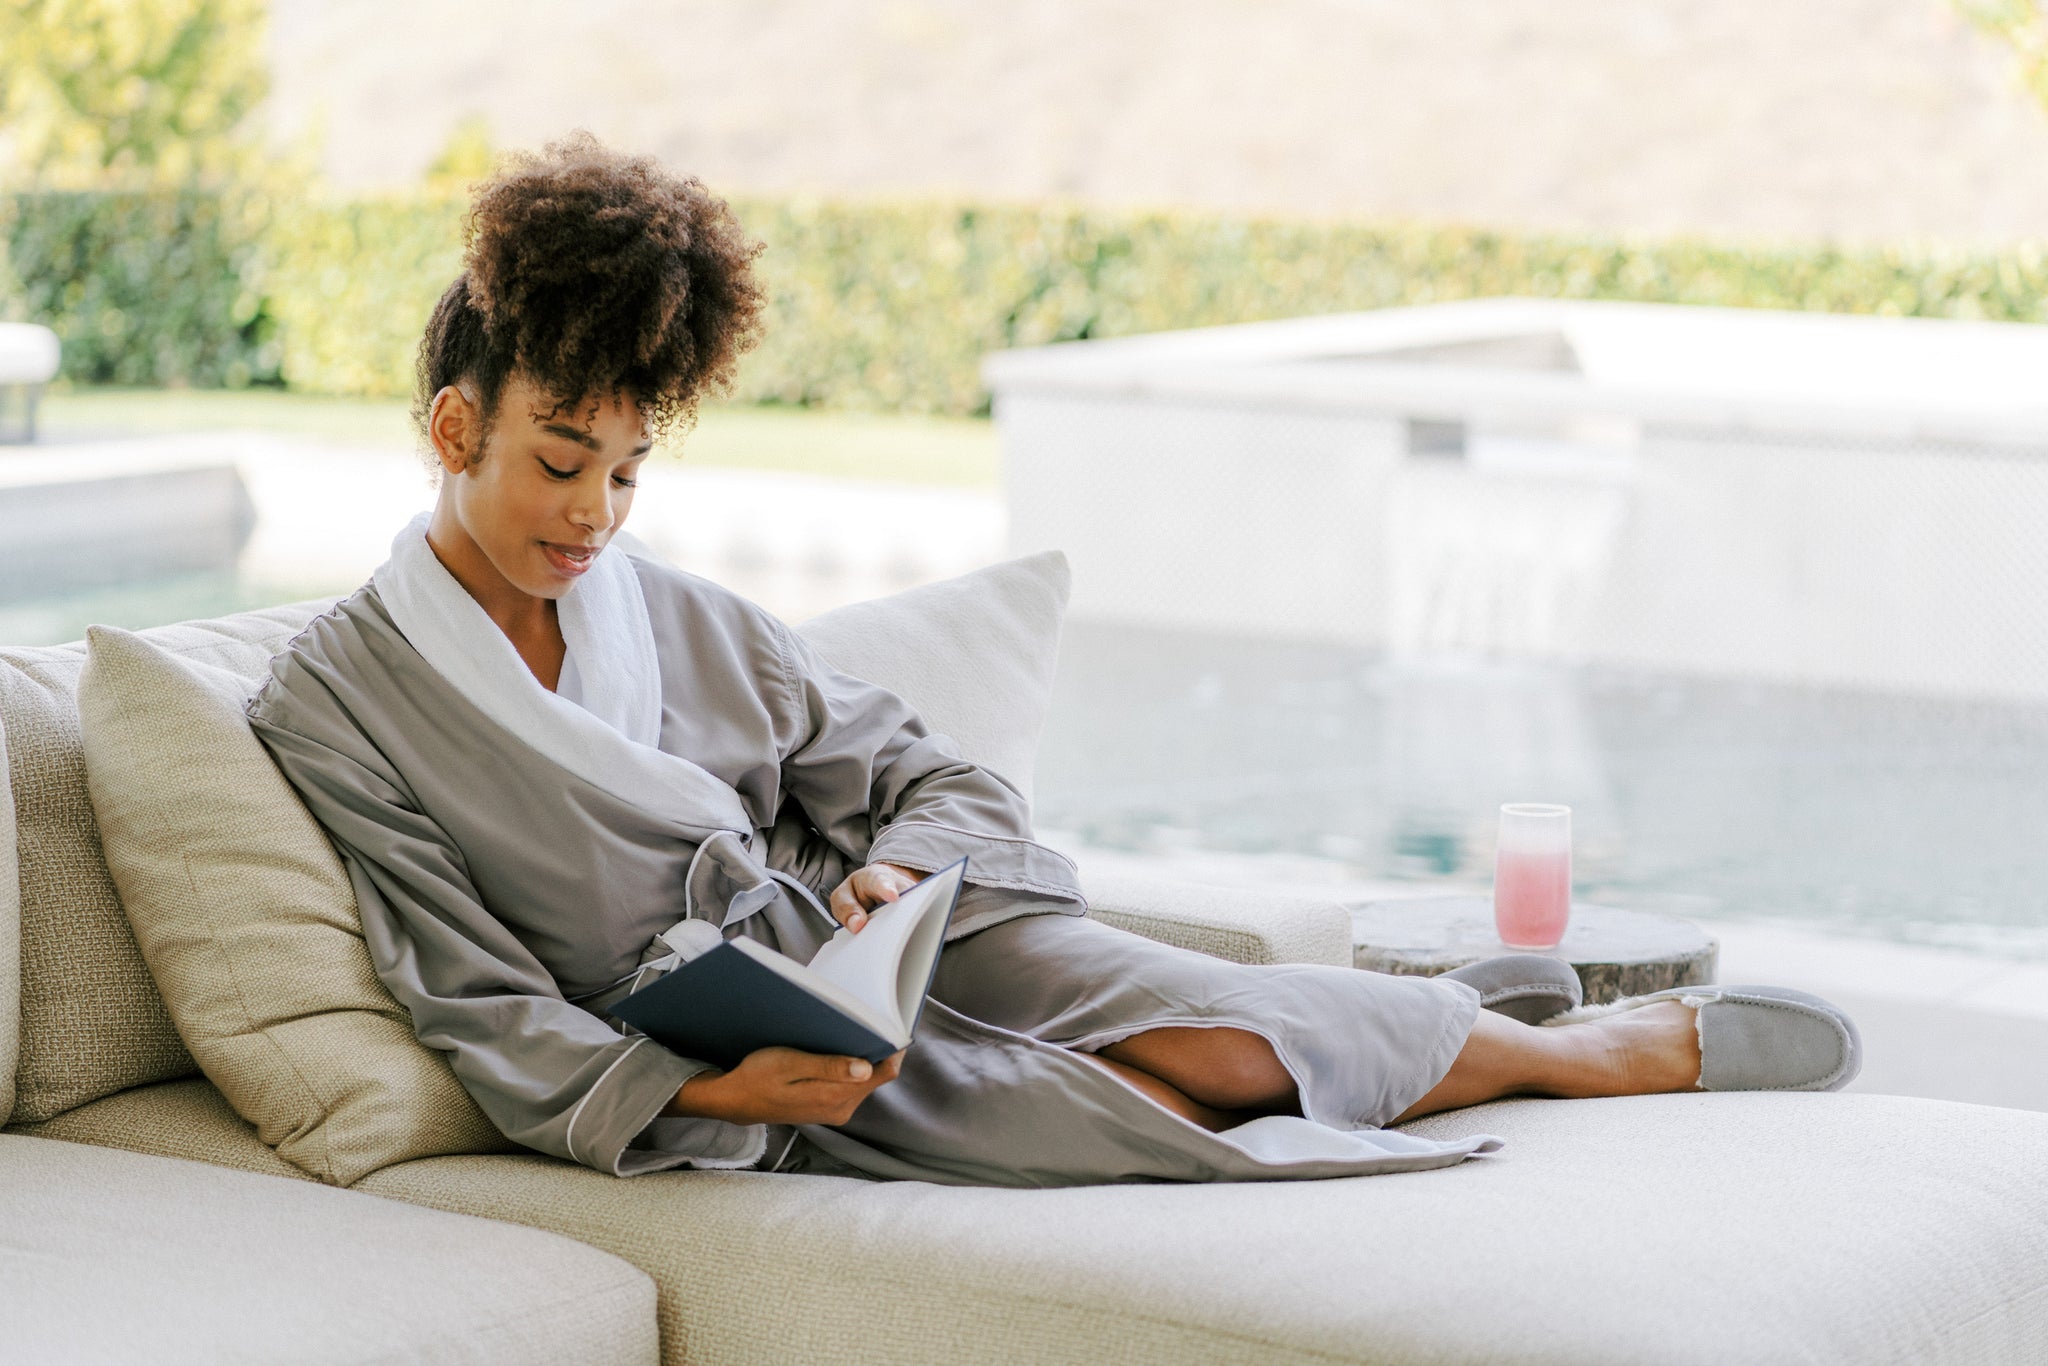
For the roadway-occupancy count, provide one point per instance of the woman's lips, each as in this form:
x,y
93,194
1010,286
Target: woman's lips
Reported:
x,y
570,559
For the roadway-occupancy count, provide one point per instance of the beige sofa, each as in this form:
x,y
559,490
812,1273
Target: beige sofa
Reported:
x,y
146,1221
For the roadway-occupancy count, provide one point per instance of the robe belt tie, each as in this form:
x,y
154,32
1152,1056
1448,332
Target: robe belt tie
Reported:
x,y
724,885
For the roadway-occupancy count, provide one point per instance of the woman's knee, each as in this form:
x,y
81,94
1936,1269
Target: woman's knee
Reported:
x,y
1219,1066
1164,1094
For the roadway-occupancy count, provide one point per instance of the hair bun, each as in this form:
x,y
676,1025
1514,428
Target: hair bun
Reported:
x,y
591,272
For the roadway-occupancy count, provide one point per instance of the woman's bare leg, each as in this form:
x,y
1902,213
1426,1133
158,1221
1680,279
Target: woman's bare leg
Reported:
x,y
1168,1095
1639,1052
1217,1066
1215,1076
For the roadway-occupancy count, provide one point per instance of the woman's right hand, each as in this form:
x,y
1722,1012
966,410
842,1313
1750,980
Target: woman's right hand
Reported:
x,y
784,1086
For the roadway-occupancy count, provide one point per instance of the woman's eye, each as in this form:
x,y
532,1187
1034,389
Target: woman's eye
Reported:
x,y
623,482
559,474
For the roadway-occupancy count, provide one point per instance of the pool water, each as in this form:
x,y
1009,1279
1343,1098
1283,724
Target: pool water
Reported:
x,y
57,619
1909,818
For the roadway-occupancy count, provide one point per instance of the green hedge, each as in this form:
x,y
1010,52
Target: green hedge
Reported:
x,y
155,288
352,284
880,305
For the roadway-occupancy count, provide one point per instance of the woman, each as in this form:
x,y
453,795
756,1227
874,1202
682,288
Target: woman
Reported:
x,y
536,754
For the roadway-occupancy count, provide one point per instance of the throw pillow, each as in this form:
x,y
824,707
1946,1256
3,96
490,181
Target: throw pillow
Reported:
x,y
974,655
247,920
90,1020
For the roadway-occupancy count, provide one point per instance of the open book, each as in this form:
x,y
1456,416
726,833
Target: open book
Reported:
x,y
859,997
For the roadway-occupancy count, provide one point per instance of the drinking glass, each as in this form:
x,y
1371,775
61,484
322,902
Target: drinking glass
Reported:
x,y
1532,875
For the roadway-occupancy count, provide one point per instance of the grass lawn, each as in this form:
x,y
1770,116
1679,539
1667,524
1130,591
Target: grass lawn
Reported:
x,y
954,452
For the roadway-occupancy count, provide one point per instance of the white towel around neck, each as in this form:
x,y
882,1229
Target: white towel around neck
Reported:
x,y
610,740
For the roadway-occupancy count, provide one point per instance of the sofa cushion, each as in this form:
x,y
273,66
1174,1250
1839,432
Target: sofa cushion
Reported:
x,y
1744,1226
187,1118
248,923
1819,1228
91,1021
120,1257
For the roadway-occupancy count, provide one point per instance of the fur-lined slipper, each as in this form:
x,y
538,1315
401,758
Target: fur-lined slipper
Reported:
x,y
1757,1038
1522,986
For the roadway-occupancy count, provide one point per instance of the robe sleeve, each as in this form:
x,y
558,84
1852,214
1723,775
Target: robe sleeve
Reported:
x,y
550,1074
882,785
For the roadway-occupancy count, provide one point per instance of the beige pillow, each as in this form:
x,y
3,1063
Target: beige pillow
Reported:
x,y
91,1022
974,655
248,923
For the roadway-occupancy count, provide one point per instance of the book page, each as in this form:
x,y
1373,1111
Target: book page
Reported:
x,y
888,964
879,1018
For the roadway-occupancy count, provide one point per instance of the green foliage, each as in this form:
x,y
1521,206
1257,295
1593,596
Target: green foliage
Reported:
x,y
884,307
2023,26
890,306
352,284
465,158
122,94
161,287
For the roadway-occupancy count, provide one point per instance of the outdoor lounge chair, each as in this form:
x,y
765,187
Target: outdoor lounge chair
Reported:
x,y
28,361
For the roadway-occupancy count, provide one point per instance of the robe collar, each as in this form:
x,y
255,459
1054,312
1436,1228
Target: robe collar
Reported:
x,y
611,741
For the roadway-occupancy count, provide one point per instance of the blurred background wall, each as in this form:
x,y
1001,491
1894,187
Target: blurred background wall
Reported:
x,y
1861,119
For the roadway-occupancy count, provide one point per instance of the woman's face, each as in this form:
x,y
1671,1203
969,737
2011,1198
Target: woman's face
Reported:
x,y
549,492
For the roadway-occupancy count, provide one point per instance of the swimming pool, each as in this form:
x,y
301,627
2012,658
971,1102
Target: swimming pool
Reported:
x,y
1921,820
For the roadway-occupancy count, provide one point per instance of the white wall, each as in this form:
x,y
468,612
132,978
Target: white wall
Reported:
x,y
1903,567
1242,519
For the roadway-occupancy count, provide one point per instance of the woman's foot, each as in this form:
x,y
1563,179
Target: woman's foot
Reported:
x,y
1650,1049
1766,1038
1754,1037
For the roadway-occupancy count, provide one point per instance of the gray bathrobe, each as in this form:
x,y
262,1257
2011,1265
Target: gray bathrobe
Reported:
x,y
507,901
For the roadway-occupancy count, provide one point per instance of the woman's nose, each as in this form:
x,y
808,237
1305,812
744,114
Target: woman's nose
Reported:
x,y
593,512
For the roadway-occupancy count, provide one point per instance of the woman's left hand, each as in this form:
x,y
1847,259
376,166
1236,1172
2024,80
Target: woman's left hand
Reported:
x,y
867,888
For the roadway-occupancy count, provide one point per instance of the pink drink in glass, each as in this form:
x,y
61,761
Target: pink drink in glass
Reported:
x,y
1532,876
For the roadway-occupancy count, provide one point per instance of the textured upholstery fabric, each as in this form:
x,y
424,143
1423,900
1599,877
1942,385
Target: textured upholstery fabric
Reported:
x,y
10,948
186,1118
249,925
974,655
117,1257
1817,1228
91,1020
1682,1230
1242,924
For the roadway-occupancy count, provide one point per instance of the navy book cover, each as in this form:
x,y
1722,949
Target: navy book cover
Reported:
x,y
741,995
723,1005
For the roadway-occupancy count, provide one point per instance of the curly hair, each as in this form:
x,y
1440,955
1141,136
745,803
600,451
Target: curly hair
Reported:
x,y
588,272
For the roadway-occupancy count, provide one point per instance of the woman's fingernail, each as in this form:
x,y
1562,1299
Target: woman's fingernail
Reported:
x,y
860,1069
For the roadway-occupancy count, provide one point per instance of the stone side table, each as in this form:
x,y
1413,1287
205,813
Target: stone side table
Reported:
x,y
1615,952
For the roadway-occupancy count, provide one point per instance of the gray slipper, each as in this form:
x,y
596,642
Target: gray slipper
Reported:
x,y
1522,986
1756,1038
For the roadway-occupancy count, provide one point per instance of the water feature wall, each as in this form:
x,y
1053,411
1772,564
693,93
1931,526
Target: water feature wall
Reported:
x,y
1846,502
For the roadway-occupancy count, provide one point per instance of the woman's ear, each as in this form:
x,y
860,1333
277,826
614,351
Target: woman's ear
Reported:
x,y
455,427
